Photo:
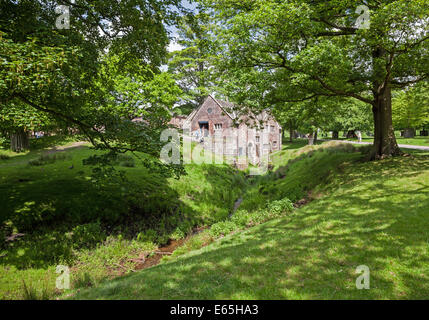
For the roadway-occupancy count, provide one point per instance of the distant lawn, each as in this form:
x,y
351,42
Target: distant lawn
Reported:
x,y
374,214
416,141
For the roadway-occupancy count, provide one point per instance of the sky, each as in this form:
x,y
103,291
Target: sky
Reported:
x,y
174,46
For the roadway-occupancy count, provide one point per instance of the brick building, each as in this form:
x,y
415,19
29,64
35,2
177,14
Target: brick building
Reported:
x,y
221,127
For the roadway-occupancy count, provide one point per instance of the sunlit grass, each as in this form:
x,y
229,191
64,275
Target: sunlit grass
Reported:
x,y
373,213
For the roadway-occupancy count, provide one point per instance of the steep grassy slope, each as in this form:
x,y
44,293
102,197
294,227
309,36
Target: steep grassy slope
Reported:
x,y
65,219
374,214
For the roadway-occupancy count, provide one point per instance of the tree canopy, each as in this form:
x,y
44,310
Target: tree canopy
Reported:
x,y
411,107
291,51
95,74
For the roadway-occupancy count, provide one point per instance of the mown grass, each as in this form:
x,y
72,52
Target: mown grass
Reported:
x,y
366,213
416,141
298,171
66,219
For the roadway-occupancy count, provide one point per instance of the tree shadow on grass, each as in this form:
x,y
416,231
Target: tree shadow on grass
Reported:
x,y
46,209
296,144
378,218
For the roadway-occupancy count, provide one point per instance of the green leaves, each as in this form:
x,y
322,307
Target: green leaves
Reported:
x,y
411,107
94,77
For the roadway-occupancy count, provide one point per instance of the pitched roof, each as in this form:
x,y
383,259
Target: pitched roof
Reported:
x,y
230,109
226,107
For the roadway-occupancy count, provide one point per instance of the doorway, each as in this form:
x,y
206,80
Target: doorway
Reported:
x,y
204,128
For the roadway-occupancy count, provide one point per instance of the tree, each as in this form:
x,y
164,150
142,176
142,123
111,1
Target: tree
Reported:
x,y
17,120
87,75
347,115
304,49
192,66
290,117
411,108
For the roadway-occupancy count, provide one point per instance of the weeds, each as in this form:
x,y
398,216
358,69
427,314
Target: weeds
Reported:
x,y
29,292
45,159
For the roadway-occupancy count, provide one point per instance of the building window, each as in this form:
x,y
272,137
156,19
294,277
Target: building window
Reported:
x,y
275,144
272,128
257,139
209,110
218,126
280,131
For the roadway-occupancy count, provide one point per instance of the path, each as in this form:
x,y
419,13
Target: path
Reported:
x,y
66,147
404,146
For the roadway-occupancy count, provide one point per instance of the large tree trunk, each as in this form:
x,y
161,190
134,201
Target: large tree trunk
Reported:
x,y
291,131
351,134
335,134
19,140
315,137
385,144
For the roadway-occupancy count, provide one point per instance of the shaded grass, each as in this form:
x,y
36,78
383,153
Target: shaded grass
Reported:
x,y
51,202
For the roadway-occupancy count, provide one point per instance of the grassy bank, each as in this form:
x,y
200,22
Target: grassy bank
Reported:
x,y
54,214
365,213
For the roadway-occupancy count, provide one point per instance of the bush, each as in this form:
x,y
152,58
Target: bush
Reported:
x,y
149,235
241,218
223,228
125,161
177,234
29,292
4,157
87,235
83,280
279,207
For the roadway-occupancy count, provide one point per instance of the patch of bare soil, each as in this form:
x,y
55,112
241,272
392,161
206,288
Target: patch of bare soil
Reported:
x,y
74,145
148,259
306,200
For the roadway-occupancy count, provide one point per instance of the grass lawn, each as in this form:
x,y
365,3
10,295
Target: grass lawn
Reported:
x,y
366,213
67,220
416,141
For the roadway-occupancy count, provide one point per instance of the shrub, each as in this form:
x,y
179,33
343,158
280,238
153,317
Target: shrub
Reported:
x,y
87,235
31,214
124,161
4,156
149,235
29,292
259,216
241,218
279,207
36,162
177,234
223,228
